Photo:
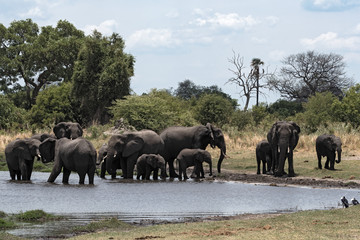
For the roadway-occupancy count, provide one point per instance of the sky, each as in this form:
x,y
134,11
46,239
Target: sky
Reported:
x,y
176,40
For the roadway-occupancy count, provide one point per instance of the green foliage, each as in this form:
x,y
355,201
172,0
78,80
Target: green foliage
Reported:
x,y
318,111
36,57
259,113
53,105
102,74
11,117
282,109
5,224
213,108
348,110
156,111
241,119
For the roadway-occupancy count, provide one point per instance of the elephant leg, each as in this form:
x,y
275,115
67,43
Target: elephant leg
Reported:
x,y
29,169
18,175
123,164
54,173
291,164
66,175
91,175
327,162
12,174
131,161
172,169
156,174
332,164
258,165
138,174
82,177
264,166
103,169
319,160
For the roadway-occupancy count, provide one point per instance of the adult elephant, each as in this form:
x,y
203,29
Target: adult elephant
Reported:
x,y
78,155
69,130
20,155
42,136
127,147
327,146
283,138
177,138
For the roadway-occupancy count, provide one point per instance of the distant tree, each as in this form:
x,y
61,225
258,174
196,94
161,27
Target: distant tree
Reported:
x,y
187,89
248,82
36,57
255,64
11,117
102,74
305,74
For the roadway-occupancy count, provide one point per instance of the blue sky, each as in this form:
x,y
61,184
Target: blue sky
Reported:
x,y
174,40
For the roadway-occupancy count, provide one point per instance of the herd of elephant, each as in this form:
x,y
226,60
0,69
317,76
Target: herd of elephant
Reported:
x,y
151,152
280,144
145,149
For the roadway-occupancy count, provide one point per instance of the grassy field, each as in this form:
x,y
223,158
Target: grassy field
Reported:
x,y
329,224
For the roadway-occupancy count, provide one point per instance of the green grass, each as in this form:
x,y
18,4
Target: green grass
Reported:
x,y
35,216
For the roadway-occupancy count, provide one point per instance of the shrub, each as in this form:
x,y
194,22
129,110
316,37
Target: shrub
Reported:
x,y
35,215
11,117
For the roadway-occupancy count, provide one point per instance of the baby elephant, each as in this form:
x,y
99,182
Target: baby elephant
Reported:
x,y
148,163
327,146
264,155
193,157
77,155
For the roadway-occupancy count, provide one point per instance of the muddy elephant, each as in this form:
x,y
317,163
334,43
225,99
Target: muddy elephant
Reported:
x,y
193,157
177,138
20,155
283,138
69,130
264,156
78,155
327,146
148,163
127,147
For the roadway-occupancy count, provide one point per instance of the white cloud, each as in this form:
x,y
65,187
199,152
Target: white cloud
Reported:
x,y
331,40
152,38
231,20
106,28
277,55
357,29
259,40
330,5
172,14
33,12
272,20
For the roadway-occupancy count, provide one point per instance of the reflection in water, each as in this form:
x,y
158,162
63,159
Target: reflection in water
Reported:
x,y
134,201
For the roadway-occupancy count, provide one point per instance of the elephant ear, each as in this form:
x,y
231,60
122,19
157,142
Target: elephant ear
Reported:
x,y
47,150
135,144
211,131
60,130
22,150
295,126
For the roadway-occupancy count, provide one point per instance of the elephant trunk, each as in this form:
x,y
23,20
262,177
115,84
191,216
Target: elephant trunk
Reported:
x,y
222,156
339,156
110,164
210,167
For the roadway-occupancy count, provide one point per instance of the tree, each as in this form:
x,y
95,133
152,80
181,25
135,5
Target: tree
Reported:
x,y
305,74
255,64
36,58
283,108
10,115
101,75
249,82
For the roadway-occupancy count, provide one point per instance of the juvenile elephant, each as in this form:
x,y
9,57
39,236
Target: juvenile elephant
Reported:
x,y
327,146
177,138
127,147
264,155
20,155
283,138
193,157
148,163
68,130
77,155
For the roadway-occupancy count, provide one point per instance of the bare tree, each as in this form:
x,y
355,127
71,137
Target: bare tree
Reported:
x,y
304,74
248,82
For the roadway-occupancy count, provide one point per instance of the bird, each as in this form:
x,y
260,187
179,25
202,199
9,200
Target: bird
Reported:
x,y
354,201
345,202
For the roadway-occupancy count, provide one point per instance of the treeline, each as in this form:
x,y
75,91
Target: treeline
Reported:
x,y
53,74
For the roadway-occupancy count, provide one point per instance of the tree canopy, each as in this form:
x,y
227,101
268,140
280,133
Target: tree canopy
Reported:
x,y
305,74
35,57
101,75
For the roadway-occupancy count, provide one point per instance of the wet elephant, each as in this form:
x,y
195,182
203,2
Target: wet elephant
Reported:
x,y
327,146
177,138
283,138
128,146
148,163
20,155
78,155
193,157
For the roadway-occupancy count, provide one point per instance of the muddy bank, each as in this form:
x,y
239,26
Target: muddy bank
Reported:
x,y
327,182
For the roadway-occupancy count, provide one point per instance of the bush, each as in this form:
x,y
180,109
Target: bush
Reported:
x,y
282,109
11,117
35,215
52,105
155,111
241,119
213,108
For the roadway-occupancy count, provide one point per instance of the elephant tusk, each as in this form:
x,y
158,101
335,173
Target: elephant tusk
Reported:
x,y
115,155
226,156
